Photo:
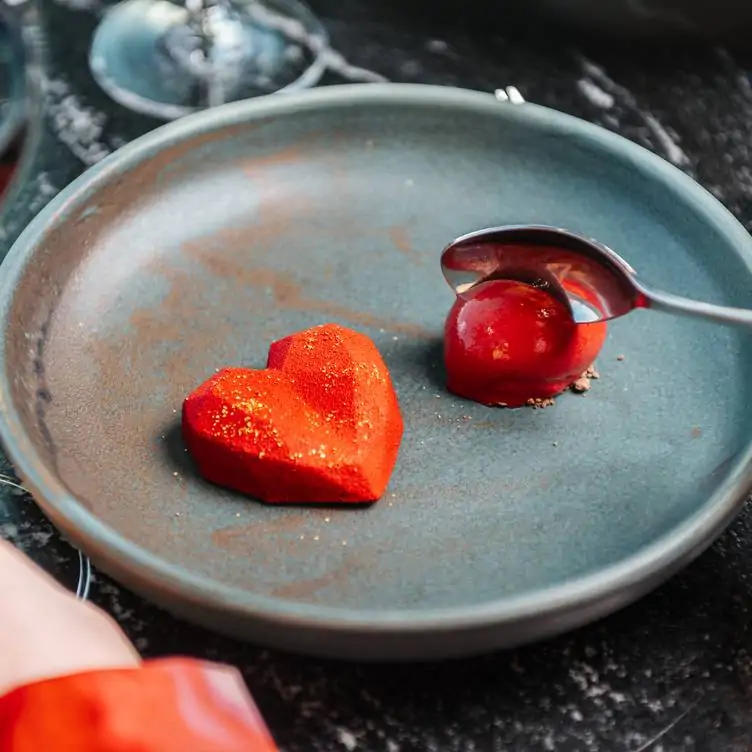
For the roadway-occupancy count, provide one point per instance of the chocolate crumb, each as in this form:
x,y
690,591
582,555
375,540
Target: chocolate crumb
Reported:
x,y
580,386
583,384
591,373
538,403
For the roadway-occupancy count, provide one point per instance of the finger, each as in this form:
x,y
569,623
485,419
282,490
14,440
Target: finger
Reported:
x,y
46,632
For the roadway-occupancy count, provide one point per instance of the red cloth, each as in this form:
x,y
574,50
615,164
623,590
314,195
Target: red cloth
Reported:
x,y
7,171
169,705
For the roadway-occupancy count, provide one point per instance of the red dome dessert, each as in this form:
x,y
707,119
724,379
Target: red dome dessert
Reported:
x,y
508,343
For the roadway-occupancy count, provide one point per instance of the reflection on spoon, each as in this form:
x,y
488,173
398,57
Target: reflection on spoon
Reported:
x,y
596,282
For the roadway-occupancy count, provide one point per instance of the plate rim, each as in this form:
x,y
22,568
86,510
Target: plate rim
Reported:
x,y
621,582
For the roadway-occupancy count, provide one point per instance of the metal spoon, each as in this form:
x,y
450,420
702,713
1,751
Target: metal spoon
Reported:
x,y
592,280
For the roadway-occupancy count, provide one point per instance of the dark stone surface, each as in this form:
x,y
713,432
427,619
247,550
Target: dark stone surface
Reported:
x,y
673,672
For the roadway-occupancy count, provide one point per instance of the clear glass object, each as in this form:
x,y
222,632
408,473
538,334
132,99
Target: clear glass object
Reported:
x,y
168,59
23,525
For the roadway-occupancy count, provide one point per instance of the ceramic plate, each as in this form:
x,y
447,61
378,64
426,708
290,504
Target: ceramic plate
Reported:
x,y
200,243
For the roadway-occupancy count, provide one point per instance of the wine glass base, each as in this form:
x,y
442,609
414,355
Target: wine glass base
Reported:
x,y
155,57
24,525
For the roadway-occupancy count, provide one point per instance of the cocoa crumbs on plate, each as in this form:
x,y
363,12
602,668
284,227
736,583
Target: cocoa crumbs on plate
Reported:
x,y
583,384
538,403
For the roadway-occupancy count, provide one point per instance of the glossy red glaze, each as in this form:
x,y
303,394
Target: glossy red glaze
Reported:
x,y
507,342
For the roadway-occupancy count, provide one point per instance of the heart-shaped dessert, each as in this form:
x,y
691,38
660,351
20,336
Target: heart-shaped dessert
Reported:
x,y
320,424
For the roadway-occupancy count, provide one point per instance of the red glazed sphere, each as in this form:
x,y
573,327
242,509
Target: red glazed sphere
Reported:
x,y
506,342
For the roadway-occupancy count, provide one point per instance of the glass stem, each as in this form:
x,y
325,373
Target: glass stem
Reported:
x,y
199,18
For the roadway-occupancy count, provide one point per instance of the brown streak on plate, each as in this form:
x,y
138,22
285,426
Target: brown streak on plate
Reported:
x,y
400,239
226,537
288,293
288,155
305,588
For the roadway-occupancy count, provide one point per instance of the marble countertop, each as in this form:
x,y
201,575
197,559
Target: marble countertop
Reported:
x,y
674,671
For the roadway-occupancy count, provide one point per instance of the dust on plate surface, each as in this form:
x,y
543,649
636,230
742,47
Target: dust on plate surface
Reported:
x,y
213,237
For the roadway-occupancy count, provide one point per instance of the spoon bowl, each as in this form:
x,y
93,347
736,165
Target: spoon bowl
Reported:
x,y
594,281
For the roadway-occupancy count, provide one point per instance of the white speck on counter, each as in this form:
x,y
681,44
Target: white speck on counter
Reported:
x,y
79,127
45,191
595,95
347,739
665,141
46,188
672,150
437,46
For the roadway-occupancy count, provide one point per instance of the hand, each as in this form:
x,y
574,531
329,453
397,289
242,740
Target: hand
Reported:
x,y
46,632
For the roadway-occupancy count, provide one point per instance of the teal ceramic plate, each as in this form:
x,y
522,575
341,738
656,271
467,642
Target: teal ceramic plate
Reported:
x,y
197,245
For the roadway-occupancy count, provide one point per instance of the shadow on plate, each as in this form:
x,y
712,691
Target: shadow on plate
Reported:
x,y
176,455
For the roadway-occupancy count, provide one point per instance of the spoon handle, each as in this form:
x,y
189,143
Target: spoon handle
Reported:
x,y
658,300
